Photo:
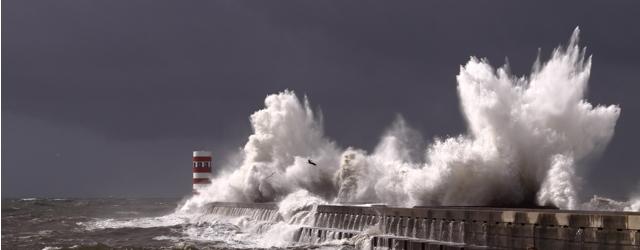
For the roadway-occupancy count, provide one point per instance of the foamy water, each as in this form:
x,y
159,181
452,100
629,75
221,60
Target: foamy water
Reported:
x,y
231,231
100,223
292,224
529,138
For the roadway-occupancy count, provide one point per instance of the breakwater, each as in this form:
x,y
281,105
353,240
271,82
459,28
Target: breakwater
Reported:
x,y
382,227
255,211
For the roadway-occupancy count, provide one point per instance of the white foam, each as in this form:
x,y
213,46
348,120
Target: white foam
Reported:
x,y
528,140
51,248
144,222
634,205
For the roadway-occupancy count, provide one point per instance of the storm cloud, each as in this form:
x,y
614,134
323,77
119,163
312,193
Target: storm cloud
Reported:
x,y
109,98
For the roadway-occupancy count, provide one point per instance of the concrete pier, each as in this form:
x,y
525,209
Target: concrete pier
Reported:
x,y
255,211
461,227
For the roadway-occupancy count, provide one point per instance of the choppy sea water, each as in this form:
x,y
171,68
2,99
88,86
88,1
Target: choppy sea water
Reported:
x,y
131,224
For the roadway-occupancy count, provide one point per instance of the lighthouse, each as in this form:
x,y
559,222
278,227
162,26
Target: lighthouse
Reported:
x,y
201,170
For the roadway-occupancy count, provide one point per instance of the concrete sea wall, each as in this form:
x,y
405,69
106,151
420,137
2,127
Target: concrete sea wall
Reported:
x,y
255,211
460,227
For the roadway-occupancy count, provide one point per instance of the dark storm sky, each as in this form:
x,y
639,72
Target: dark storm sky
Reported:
x,y
110,97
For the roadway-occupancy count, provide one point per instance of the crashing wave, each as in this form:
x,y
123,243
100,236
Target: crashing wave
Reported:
x,y
528,140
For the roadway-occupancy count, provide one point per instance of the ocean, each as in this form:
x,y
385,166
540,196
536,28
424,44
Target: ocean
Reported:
x,y
114,223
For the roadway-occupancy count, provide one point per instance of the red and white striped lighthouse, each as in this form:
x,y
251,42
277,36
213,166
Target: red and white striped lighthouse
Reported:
x,y
201,170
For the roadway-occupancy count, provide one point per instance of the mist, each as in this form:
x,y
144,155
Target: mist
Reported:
x,y
528,139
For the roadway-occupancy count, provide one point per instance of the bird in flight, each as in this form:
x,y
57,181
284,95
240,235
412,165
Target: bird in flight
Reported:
x,y
312,163
270,175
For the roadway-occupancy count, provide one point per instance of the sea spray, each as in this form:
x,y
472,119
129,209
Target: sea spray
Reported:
x,y
286,135
298,207
528,138
238,227
634,205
